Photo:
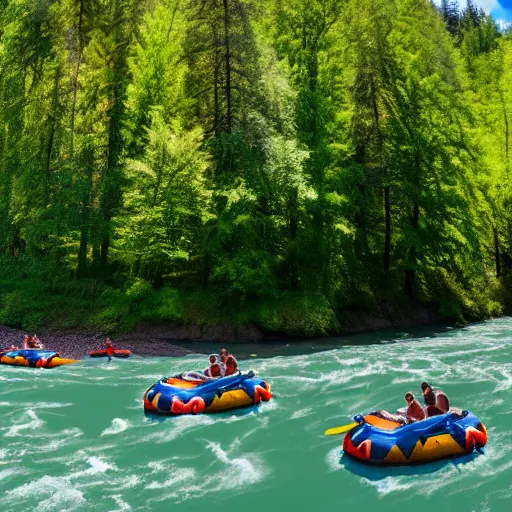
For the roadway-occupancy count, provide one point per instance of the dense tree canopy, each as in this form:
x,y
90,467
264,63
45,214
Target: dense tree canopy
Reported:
x,y
288,161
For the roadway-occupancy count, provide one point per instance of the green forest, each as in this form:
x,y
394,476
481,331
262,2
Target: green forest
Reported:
x,y
281,163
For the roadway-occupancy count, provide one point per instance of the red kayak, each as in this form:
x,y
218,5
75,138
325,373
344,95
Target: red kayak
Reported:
x,y
117,353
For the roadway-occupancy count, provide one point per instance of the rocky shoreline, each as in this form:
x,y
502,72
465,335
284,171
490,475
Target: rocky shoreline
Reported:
x,y
78,345
169,339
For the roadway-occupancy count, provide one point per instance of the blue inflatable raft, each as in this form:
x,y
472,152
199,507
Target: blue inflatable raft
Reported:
x,y
184,395
33,357
381,441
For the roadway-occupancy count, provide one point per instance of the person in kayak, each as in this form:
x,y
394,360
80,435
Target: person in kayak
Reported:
x,y
436,402
216,368
110,349
229,362
414,410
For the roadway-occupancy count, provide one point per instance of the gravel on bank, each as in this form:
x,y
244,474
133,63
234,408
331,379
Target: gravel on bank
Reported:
x,y
78,345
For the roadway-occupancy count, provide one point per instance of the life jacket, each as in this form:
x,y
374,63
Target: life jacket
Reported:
x,y
415,412
231,365
110,350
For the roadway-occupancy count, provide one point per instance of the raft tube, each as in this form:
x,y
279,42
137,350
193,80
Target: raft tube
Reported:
x,y
117,353
381,441
176,395
33,358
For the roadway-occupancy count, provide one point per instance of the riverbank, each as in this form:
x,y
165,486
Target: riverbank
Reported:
x,y
170,339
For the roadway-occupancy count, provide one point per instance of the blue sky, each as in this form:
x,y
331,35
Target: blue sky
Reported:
x,y
500,9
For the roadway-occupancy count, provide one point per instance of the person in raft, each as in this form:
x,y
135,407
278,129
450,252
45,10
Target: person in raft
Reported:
x,y
110,349
414,410
31,341
216,368
413,413
229,362
436,402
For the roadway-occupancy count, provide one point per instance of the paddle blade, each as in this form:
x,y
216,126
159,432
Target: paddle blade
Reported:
x,y
341,430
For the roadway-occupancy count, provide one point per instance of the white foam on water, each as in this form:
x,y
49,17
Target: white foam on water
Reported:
x,y
7,473
128,482
118,425
96,466
60,494
404,380
240,471
178,476
332,459
302,413
389,485
34,424
265,407
235,474
48,405
120,503
110,366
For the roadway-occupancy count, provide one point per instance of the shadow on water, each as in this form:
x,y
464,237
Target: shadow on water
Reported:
x,y
375,473
289,347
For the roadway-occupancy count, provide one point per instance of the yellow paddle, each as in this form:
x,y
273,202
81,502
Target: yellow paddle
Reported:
x,y
341,430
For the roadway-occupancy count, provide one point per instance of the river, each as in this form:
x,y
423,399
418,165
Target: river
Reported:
x,y
75,438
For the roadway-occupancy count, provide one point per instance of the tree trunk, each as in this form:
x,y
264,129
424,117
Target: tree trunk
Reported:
x,y
51,135
77,73
411,270
228,66
294,222
497,252
85,213
216,66
387,238
387,210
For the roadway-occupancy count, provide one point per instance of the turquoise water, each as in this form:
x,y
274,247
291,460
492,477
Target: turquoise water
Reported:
x,y
76,439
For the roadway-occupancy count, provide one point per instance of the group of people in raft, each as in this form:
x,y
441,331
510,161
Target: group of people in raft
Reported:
x,y
436,403
30,341
222,365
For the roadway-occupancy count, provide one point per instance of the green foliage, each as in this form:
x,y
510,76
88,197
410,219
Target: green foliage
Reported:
x,y
296,314
274,162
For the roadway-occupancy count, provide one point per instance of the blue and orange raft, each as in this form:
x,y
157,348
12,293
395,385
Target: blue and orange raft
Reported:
x,y
178,395
380,441
34,358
